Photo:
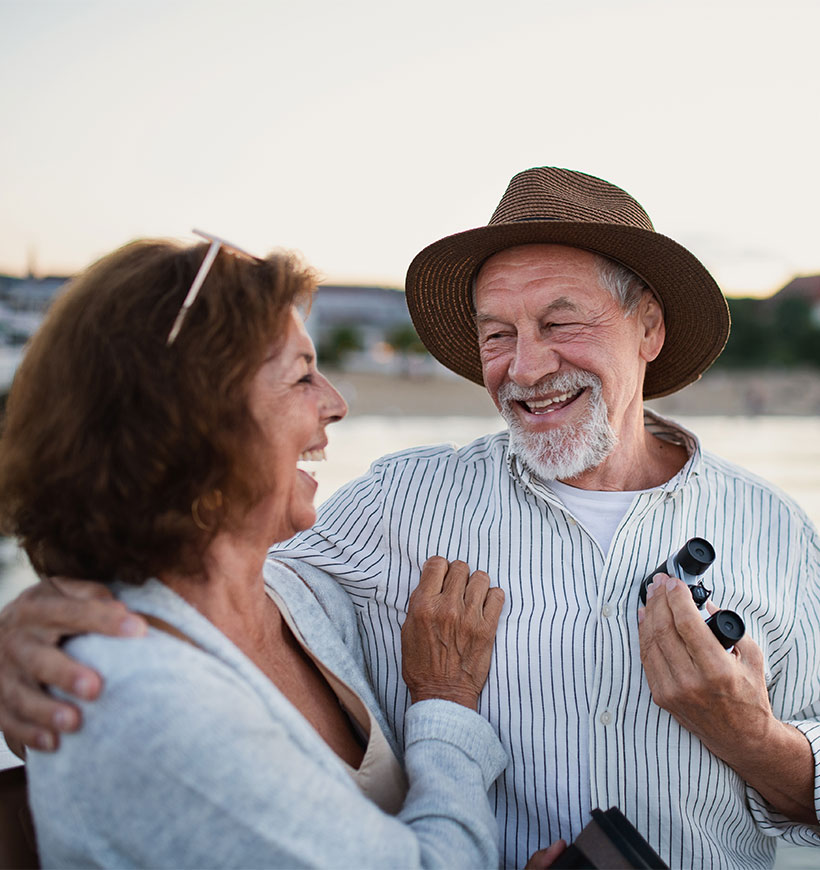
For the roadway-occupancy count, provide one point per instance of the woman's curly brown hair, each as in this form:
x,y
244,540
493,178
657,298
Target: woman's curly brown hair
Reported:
x,y
110,435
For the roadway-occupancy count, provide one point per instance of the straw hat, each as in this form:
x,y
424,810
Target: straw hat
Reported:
x,y
559,206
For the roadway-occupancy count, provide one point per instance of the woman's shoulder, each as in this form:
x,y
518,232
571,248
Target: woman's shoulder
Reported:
x,y
171,721
159,665
310,589
154,669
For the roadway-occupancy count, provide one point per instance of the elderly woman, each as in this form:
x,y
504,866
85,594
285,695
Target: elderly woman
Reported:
x,y
152,441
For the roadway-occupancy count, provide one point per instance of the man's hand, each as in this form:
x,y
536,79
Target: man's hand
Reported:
x,y
721,698
448,636
544,858
31,627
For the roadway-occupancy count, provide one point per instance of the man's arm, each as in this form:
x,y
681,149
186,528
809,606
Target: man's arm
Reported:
x,y
722,699
31,628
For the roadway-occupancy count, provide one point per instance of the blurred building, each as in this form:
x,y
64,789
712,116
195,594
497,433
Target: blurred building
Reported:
x,y
373,327
359,328
30,294
805,287
23,302
373,310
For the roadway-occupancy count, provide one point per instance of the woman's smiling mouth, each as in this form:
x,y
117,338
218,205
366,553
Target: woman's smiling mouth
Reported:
x,y
314,455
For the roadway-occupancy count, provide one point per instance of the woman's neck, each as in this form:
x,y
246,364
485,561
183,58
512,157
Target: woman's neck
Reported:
x,y
229,591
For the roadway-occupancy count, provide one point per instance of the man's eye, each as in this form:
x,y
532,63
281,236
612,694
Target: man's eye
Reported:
x,y
307,379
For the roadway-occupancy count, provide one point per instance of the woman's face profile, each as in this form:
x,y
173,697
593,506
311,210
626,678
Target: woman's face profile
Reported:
x,y
292,403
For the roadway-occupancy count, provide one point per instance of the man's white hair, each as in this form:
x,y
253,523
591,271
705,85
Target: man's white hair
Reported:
x,y
625,286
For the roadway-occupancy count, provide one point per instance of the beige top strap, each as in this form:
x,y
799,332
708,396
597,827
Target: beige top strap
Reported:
x,y
379,776
162,625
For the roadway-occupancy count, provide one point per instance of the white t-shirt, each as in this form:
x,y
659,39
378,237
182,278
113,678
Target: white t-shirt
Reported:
x,y
599,512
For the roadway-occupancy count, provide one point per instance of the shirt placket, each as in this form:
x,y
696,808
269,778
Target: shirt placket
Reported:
x,y
618,671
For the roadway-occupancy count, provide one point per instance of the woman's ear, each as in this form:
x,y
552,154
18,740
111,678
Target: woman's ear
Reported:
x,y
650,317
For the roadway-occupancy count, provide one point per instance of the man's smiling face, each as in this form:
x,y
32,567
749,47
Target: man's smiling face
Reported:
x,y
561,361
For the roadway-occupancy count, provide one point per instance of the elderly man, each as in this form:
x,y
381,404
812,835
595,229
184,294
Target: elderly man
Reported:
x,y
571,310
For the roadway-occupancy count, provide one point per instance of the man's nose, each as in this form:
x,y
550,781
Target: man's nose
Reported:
x,y
534,358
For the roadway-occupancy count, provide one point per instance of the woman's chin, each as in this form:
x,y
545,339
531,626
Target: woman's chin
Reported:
x,y
299,521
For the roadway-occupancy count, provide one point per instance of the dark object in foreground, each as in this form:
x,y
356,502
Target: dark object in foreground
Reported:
x,y
609,841
17,844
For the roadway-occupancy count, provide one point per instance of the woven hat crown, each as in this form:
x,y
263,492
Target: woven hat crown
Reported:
x,y
551,194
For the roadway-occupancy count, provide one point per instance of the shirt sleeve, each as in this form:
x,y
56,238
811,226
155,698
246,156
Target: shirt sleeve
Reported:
x,y
795,694
195,771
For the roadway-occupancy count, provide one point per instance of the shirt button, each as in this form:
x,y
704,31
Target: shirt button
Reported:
x,y
605,717
607,610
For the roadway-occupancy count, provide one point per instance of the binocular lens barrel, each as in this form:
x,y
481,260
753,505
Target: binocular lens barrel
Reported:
x,y
695,556
727,627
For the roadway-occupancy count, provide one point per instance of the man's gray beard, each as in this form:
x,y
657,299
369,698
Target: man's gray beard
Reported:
x,y
564,453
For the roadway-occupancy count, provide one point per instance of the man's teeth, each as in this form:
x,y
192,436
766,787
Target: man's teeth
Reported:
x,y
312,456
540,404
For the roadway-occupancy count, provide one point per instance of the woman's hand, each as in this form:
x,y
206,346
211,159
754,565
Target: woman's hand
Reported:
x,y
31,628
448,636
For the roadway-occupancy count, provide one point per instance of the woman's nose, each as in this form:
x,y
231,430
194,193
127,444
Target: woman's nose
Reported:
x,y
334,406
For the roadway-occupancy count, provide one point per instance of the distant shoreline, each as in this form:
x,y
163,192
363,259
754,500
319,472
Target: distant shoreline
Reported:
x,y
744,393
728,393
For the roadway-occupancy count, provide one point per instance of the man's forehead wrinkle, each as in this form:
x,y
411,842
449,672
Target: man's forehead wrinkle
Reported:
x,y
562,303
536,279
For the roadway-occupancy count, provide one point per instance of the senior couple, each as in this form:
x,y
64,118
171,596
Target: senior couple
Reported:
x,y
572,311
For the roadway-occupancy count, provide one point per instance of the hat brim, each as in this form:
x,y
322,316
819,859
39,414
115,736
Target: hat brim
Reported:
x,y
439,294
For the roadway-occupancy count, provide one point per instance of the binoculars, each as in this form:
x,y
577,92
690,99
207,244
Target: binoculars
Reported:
x,y
692,560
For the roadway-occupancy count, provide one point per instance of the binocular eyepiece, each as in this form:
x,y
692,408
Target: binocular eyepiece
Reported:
x,y
692,560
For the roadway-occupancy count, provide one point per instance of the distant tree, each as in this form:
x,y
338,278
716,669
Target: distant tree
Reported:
x,y
750,337
404,339
768,333
797,336
338,343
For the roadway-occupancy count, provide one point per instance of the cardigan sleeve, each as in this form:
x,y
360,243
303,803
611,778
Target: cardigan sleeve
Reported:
x,y
183,765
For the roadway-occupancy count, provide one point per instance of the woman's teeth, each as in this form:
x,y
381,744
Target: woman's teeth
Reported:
x,y
312,456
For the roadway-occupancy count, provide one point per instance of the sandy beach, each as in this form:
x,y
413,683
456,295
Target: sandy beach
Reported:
x,y
748,393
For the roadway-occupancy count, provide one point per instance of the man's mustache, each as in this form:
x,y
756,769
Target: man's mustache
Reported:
x,y
564,382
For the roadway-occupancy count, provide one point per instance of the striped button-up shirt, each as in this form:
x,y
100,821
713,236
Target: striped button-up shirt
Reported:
x,y
566,689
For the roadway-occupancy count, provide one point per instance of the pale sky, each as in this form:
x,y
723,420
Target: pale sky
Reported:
x,y
360,131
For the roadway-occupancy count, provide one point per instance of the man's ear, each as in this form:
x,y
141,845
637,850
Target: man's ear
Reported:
x,y
650,318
